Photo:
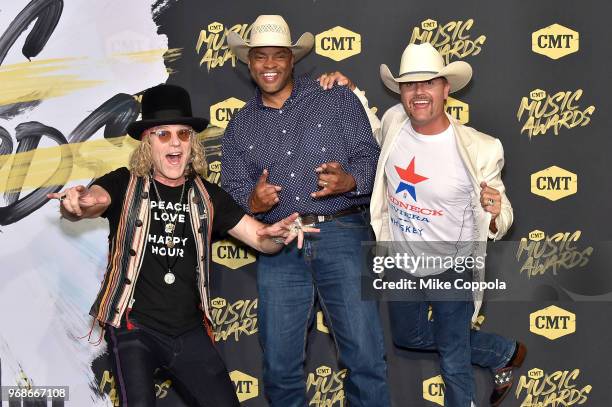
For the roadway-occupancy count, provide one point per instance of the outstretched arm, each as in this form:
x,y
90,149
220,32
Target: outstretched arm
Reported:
x,y
270,238
79,202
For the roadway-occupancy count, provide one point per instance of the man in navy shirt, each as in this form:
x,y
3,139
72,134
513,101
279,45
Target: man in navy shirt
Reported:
x,y
296,147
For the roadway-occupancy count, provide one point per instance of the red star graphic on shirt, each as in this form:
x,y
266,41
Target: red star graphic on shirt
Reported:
x,y
409,175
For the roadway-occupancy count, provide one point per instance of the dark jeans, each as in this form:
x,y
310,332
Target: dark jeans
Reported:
x,y
198,371
328,267
449,333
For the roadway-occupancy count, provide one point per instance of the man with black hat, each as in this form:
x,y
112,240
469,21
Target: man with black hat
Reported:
x,y
153,303
297,147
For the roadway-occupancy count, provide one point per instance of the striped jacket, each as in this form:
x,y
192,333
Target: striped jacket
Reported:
x,y
127,248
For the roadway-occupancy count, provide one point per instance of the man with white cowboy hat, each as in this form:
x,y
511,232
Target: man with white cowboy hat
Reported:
x,y
438,191
298,147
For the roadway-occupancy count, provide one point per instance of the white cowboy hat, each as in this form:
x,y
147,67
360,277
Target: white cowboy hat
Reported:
x,y
422,62
269,31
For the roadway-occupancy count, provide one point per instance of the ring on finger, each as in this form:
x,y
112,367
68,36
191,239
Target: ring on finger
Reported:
x,y
296,226
325,184
491,201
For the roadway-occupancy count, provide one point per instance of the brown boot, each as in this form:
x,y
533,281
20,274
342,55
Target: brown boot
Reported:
x,y
504,377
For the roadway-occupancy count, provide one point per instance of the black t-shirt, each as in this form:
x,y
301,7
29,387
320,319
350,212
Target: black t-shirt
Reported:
x,y
168,308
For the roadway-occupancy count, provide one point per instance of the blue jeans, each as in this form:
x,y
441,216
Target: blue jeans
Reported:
x,y
329,267
451,335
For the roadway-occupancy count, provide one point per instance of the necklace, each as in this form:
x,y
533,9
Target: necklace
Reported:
x,y
169,228
171,225
169,276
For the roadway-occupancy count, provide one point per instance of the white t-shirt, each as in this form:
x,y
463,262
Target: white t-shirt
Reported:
x,y
430,196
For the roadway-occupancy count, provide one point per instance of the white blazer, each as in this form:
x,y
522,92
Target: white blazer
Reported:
x,y
483,157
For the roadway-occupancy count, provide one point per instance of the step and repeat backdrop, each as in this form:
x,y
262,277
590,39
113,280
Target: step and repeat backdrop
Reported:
x,y
71,73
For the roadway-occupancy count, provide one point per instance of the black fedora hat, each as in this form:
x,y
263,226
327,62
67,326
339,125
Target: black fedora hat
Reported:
x,y
165,104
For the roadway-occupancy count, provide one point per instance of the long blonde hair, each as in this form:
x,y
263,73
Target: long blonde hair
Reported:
x,y
141,159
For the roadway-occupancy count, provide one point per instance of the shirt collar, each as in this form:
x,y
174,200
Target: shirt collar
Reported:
x,y
298,84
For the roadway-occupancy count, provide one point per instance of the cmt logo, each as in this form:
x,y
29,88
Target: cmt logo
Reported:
x,y
221,113
458,109
324,371
433,390
247,387
555,41
218,302
228,254
537,94
536,235
535,373
554,183
338,43
215,166
429,24
214,172
552,322
215,27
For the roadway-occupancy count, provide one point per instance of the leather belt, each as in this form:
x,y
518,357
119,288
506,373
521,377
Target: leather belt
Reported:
x,y
312,219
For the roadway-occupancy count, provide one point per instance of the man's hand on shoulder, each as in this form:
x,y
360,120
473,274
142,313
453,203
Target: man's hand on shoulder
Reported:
x,y
327,80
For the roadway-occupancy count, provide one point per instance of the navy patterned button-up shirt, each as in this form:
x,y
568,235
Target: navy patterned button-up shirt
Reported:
x,y
314,126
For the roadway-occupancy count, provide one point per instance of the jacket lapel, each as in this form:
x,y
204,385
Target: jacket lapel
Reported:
x,y
394,130
468,150
378,206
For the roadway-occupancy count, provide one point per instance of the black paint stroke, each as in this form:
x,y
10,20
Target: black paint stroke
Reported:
x,y
28,137
16,109
114,115
46,13
6,146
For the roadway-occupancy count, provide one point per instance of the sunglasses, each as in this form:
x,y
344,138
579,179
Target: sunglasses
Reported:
x,y
165,135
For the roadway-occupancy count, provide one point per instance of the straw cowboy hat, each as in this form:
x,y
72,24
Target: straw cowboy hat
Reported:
x,y
269,31
423,62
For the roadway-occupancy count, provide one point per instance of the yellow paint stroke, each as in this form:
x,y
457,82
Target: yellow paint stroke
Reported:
x,y
38,80
151,55
90,159
170,56
173,54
